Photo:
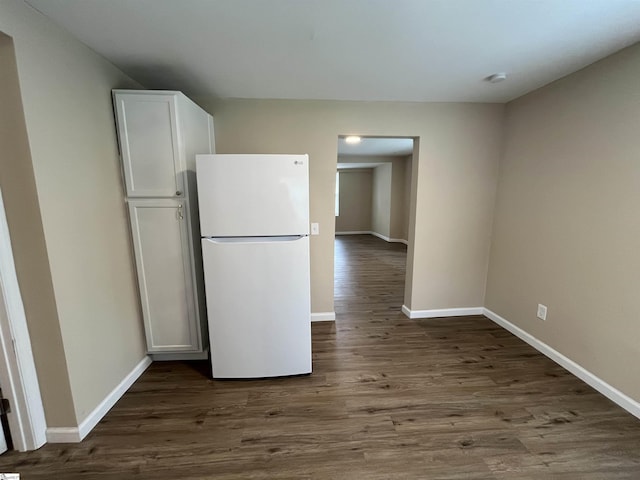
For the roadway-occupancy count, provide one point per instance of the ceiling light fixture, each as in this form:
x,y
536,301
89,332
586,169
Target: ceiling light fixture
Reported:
x,y
496,77
352,140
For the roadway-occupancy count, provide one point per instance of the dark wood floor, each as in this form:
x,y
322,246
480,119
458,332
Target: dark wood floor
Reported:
x,y
390,398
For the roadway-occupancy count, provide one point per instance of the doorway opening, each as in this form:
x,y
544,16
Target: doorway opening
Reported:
x,y
25,417
372,231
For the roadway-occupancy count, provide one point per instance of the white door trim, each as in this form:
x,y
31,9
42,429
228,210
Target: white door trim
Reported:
x,y
17,369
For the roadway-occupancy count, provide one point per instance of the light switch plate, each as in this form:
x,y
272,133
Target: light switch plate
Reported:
x,y
315,229
542,312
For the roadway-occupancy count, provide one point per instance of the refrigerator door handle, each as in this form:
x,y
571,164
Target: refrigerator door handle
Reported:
x,y
241,240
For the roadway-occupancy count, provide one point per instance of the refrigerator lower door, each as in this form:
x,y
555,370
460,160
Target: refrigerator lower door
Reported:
x,y
258,303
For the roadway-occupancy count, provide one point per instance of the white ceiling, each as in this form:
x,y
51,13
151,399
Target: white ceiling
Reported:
x,y
408,50
376,146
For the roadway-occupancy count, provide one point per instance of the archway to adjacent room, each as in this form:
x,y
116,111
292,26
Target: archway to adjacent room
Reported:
x,y
373,212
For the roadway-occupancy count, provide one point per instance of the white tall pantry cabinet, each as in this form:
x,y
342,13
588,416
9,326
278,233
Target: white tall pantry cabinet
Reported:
x,y
160,133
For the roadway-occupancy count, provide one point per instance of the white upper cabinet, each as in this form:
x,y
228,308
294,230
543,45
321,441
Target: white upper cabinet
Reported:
x,y
150,145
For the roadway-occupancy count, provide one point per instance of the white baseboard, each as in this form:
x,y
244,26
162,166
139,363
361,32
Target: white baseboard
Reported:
x,y
323,317
375,234
76,434
443,312
389,239
612,393
170,357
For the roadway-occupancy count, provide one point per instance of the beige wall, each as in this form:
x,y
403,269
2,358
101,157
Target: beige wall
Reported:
x,y
406,198
398,212
455,177
567,227
355,201
67,110
381,200
389,194
18,188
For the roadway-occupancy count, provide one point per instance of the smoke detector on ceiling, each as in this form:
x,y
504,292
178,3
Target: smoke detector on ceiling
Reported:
x,y
496,77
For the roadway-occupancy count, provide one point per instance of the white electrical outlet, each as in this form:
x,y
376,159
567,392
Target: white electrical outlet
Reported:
x,y
542,312
315,229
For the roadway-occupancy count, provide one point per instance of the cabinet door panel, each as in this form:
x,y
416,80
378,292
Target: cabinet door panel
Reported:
x,y
164,274
149,145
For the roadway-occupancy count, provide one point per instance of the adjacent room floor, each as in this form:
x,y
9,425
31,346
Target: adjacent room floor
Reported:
x,y
390,398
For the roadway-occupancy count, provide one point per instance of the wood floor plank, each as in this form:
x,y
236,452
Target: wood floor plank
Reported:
x,y
389,398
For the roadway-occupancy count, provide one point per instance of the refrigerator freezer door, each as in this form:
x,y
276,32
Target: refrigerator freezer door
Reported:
x,y
258,301
253,195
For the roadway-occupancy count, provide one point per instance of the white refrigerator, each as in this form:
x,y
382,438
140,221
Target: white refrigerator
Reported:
x,y
254,223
